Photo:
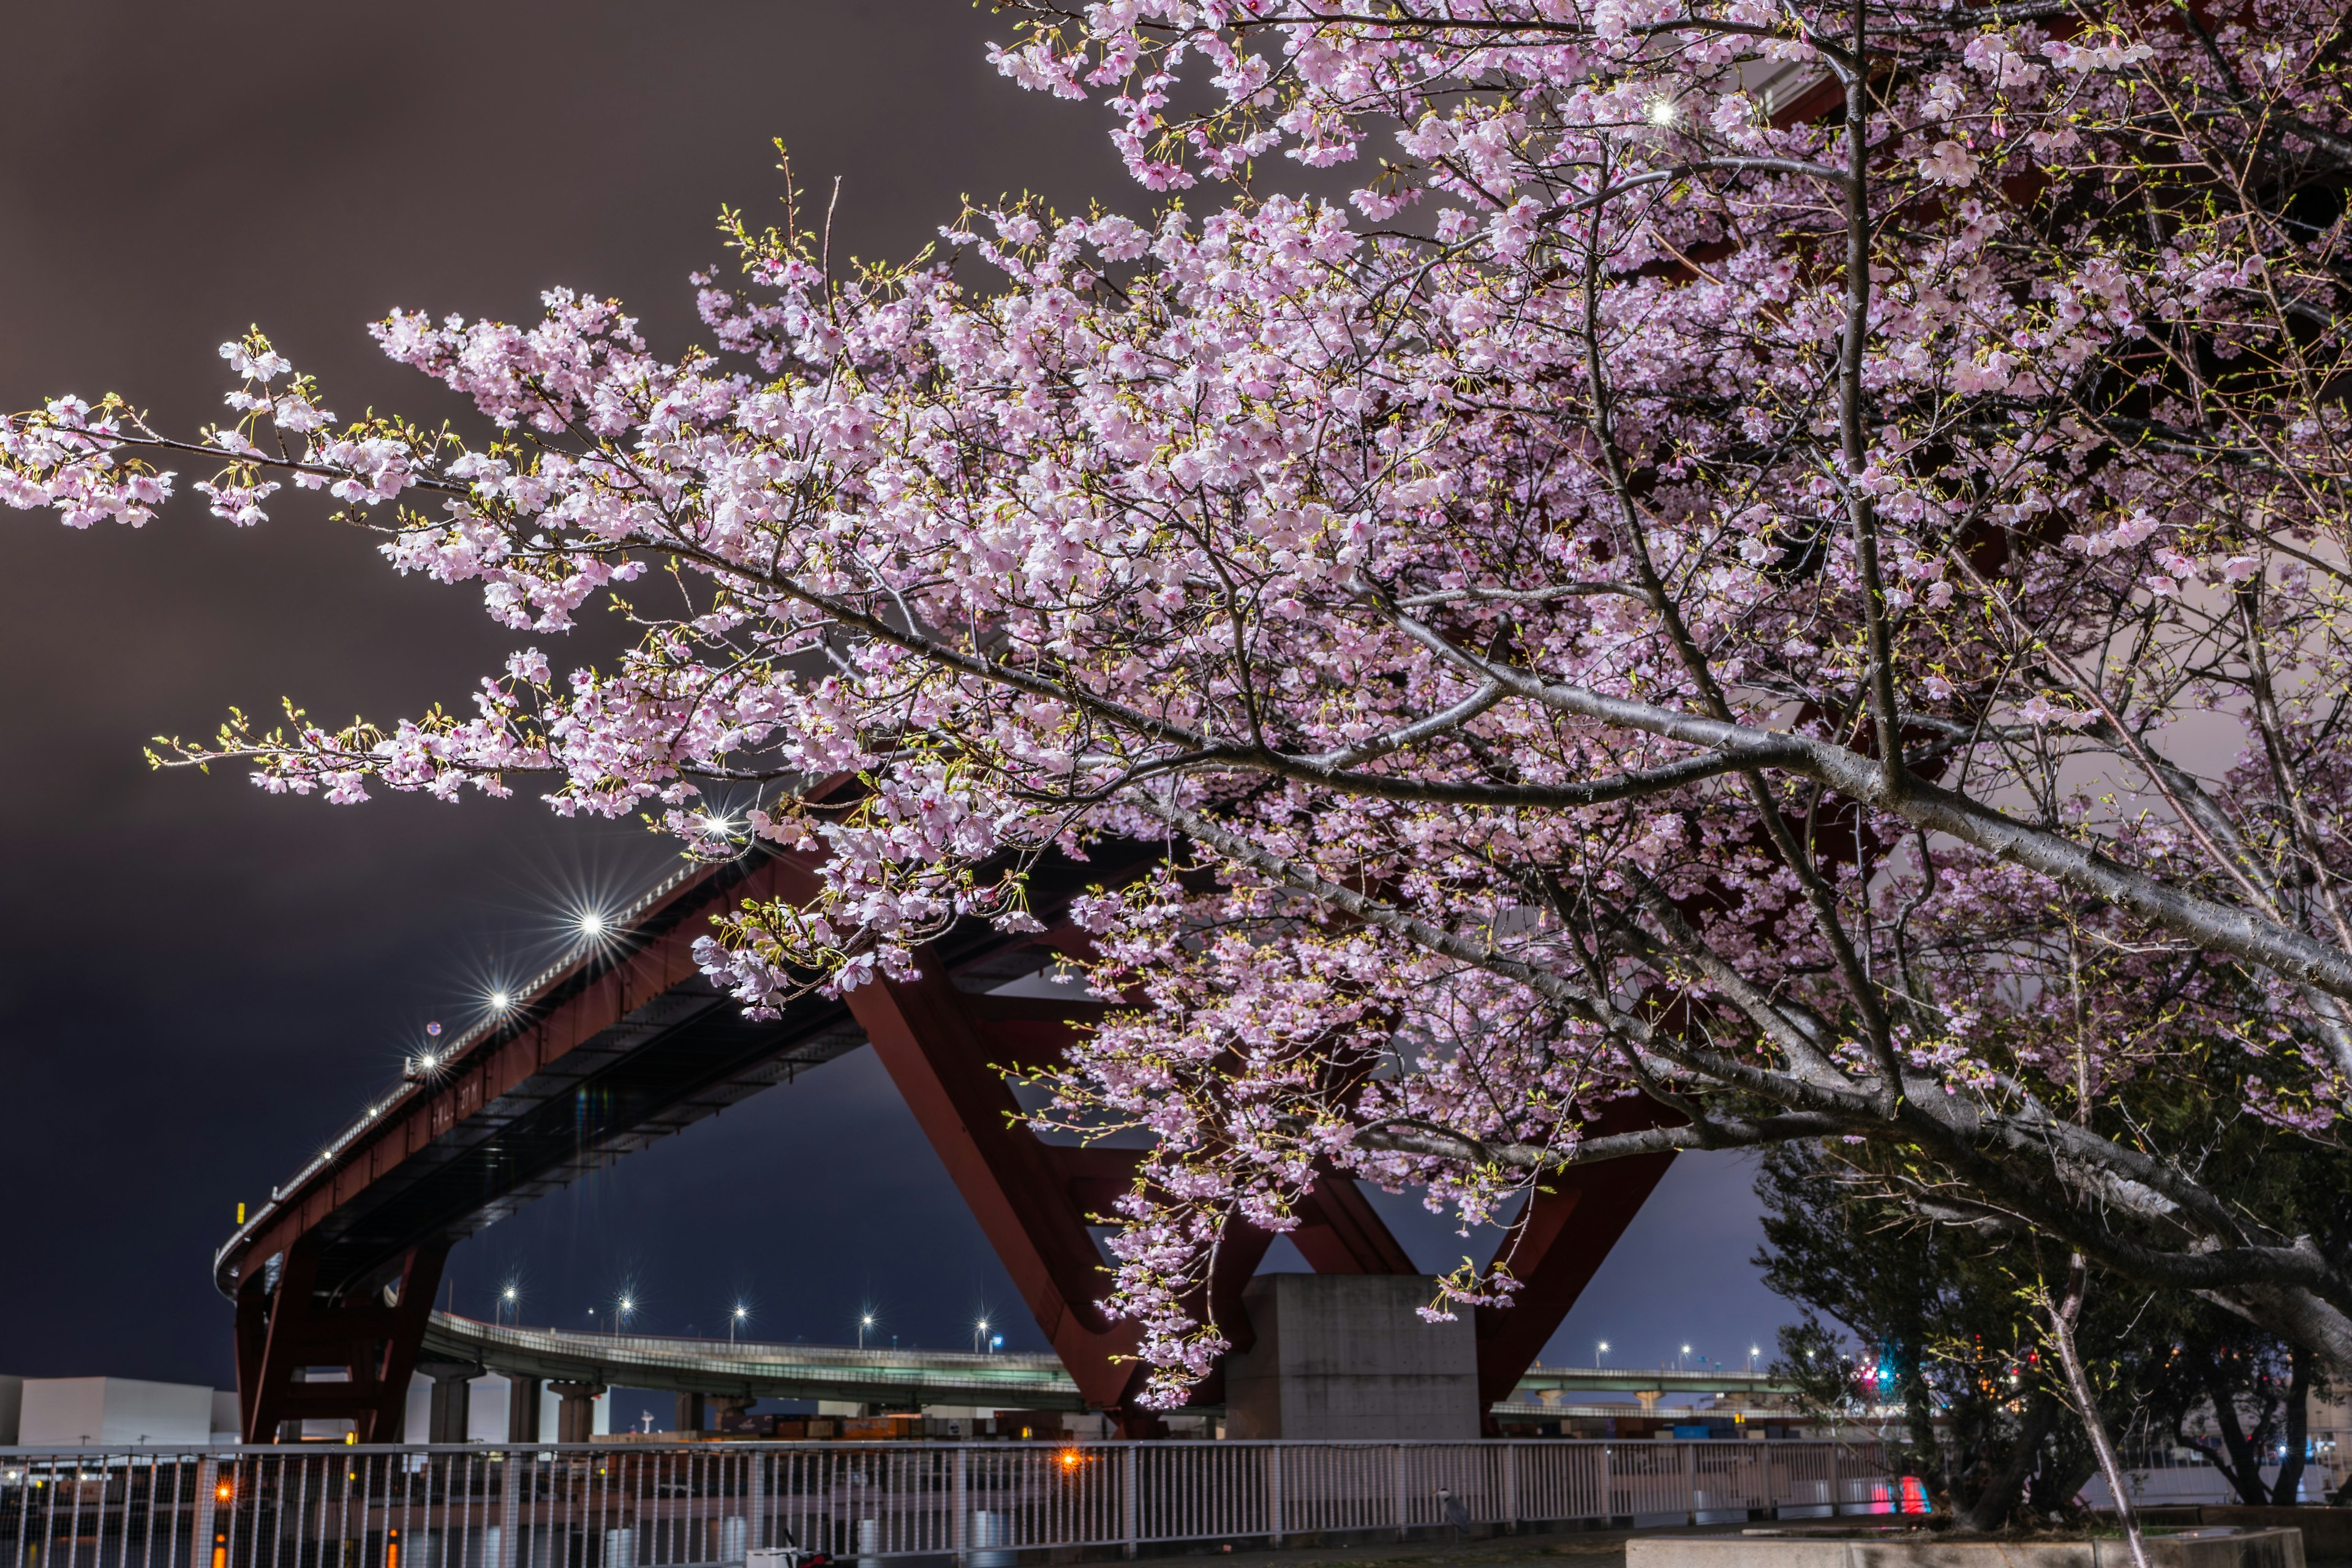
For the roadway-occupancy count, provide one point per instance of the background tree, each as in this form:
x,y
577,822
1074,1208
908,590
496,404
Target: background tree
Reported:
x,y
2240,1396
1934,1319
1940,1301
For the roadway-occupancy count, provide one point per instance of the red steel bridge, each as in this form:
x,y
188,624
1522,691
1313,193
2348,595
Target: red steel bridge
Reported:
x,y
627,1042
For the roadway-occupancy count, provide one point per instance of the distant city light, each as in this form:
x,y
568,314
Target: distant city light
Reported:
x,y
1661,112
591,924
501,1000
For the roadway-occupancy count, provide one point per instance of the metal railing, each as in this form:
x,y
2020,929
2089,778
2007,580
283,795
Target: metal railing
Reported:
x,y
697,1504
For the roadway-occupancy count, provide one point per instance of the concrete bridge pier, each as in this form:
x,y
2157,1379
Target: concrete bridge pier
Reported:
x,y
523,1409
452,1406
575,1418
690,1412
1349,1355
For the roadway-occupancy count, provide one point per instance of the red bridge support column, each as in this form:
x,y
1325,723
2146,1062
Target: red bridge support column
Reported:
x,y
285,1331
932,1045
945,1050
1572,1224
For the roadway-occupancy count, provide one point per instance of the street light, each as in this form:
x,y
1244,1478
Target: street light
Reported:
x,y
507,1298
734,1318
1753,1352
865,1321
1682,1361
979,1336
627,1305
1602,1360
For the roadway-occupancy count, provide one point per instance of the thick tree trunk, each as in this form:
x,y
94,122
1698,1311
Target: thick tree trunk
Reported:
x,y
2288,1488
2007,1484
2243,1469
2298,1317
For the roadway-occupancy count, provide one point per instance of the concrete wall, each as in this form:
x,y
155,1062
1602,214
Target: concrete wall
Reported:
x,y
1339,1356
68,1412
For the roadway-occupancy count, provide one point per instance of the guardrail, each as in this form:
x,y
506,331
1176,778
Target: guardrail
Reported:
x,y
703,1505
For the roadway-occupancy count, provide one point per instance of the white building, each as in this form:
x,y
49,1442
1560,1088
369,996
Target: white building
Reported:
x,y
118,1412
112,1411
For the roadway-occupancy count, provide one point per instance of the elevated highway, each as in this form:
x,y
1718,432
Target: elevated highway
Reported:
x,y
903,1380
625,1042
906,1379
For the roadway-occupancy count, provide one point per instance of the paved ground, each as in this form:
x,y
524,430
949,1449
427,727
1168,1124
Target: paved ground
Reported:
x,y
1583,1549
1572,1549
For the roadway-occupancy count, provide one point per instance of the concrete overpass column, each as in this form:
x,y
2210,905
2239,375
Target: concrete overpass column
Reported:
x,y
290,1431
452,1406
690,1412
575,1419
523,1409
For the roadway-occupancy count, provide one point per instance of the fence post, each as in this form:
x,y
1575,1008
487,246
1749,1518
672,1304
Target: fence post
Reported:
x,y
1127,1500
1608,1501
1274,1492
755,1502
1403,1502
200,1537
1511,1486
1690,1482
959,1526
513,1476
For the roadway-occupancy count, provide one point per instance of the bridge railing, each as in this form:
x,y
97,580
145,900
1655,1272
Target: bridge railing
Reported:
x,y
703,1505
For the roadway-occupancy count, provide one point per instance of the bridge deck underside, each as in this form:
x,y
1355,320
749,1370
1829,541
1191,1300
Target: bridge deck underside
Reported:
x,y
688,1055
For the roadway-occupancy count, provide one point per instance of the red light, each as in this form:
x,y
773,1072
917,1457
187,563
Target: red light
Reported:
x,y
1069,1458
224,1492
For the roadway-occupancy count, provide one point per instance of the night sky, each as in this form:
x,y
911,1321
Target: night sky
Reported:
x,y
200,984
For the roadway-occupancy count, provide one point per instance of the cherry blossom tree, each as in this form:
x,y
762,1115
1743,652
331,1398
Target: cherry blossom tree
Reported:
x,y
1783,561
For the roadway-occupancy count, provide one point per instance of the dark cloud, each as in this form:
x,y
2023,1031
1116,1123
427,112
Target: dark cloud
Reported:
x,y
200,983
